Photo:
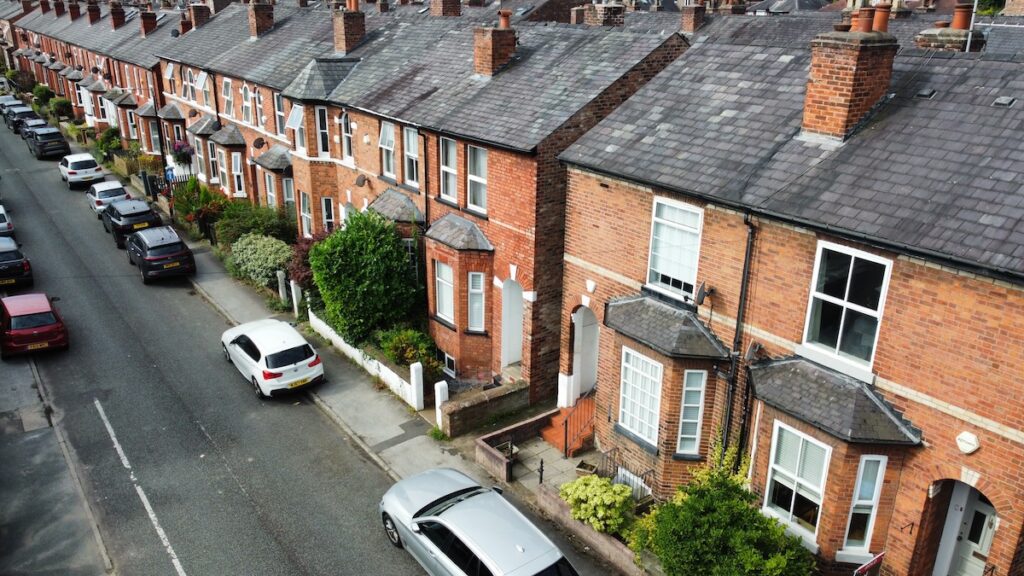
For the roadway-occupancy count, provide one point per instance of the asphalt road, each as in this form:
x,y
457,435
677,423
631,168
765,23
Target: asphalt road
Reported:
x,y
187,472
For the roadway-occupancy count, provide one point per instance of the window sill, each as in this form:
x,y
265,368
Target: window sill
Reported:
x,y
390,179
444,323
647,446
476,333
806,538
687,457
853,557
447,202
410,188
837,363
481,214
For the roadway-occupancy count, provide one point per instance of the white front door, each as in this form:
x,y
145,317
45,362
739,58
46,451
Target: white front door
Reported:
x,y
974,537
511,323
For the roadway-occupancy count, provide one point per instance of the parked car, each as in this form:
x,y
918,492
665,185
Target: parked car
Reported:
x,y
159,252
7,85
9,101
272,355
30,322
124,217
78,168
453,526
103,193
13,117
45,141
6,224
15,269
30,124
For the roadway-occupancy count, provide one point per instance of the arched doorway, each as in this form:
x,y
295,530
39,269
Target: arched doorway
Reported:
x,y
967,533
584,352
511,323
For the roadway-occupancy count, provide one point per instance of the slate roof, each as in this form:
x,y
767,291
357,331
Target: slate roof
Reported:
x,y
147,110
125,43
277,158
1003,39
228,136
205,126
459,233
170,111
396,206
56,65
97,86
787,6
843,407
319,77
74,75
9,10
667,329
939,178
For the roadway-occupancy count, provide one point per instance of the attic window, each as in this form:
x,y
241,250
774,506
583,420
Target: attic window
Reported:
x,y
1004,102
925,94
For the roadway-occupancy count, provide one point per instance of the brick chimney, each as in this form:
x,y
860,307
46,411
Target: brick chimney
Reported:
x,y
349,27
147,21
92,10
382,5
26,6
261,18
74,10
44,5
116,15
58,8
494,47
605,14
1013,8
302,3
219,5
953,38
578,15
184,24
198,14
445,8
850,73
692,18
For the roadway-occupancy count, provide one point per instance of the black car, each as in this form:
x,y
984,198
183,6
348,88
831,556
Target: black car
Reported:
x,y
15,269
14,116
159,252
46,142
9,102
124,217
28,125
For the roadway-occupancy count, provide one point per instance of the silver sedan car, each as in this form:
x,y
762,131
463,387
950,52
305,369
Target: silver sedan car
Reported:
x,y
453,527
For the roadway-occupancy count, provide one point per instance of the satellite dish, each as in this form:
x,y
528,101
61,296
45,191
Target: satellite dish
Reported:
x,y
259,143
175,33
360,180
698,298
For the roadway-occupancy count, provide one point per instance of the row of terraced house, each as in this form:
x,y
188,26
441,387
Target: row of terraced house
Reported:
x,y
799,234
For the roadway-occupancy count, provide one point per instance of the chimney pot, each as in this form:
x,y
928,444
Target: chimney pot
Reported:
x,y
493,48
147,21
865,19
962,16
504,19
261,18
881,21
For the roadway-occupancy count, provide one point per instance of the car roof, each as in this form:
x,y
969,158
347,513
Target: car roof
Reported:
x,y
9,98
271,335
7,244
26,304
107,185
128,207
159,236
77,157
20,109
47,130
36,121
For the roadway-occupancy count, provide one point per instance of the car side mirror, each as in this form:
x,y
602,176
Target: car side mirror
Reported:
x,y
415,528
54,298
498,489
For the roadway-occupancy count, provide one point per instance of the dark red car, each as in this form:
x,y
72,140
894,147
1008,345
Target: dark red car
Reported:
x,y
30,322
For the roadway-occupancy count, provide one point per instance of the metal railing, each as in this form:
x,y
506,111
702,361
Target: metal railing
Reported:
x,y
578,422
611,466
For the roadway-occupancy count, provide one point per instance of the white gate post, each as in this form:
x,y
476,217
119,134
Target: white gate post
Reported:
x,y
440,397
416,380
296,297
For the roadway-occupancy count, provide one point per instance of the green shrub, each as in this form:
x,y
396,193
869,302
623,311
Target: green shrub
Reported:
x,y
298,267
258,258
403,346
240,217
606,507
363,276
61,107
108,141
42,94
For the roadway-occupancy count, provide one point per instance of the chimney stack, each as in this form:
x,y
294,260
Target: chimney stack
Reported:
x,y
850,74
26,6
184,24
147,20
693,17
953,38
578,15
605,14
493,48
92,10
261,18
219,5
74,10
116,15
382,5
302,3
58,8
198,14
349,27
44,5
445,8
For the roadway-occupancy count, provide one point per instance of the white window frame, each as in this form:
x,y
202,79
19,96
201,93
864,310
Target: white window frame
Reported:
x,y
832,358
700,412
203,80
229,103
178,134
808,538
257,106
625,387
327,213
154,137
471,179
169,76
237,174
222,168
449,192
386,141
862,553
127,78
475,294
296,121
268,183
449,364
346,138
215,162
323,133
306,214
411,156
681,294
279,117
190,86
446,312
132,131
288,194
200,157
246,97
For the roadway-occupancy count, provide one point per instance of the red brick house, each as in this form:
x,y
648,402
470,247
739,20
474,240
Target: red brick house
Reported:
x,y
824,270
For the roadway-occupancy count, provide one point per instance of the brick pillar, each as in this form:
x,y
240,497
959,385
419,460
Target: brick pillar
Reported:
x,y
850,72
147,23
349,27
58,8
445,8
494,47
609,14
198,14
92,10
74,10
116,15
261,19
692,18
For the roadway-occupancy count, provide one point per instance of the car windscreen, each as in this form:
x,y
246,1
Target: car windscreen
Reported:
x,y
438,506
167,250
560,568
3,218
24,113
10,255
289,356
110,193
32,320
49,136
83,164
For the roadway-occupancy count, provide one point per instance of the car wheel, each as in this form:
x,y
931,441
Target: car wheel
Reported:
x,y
142,272
99,216
130,261
227,357
392,531
259,391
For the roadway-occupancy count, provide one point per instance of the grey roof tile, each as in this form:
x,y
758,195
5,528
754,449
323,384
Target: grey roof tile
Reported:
x,y
205,126
170,111
396,206
841,406
147,110
459,233
277,158
319,77
667,329
228,136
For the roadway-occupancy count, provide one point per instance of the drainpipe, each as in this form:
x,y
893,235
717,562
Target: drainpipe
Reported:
x,y
737,340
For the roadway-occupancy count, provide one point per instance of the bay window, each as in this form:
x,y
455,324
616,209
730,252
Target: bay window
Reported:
x,y
640,395
796,479
444,292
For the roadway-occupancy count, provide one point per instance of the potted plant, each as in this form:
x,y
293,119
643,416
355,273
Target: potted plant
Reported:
x,y
182,152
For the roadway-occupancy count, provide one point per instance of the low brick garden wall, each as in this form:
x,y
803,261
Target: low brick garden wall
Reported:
x,y
496,462
472,409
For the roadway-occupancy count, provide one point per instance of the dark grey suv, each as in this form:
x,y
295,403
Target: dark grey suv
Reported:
x,y
14,116
125,217
159,252
15,269
47,141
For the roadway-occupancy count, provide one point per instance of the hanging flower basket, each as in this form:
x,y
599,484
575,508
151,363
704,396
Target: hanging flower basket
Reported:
x,y
182,152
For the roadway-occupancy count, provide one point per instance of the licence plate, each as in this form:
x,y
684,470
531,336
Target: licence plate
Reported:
x,y
141,225
298,383
172,265
7,281
38,346
87,177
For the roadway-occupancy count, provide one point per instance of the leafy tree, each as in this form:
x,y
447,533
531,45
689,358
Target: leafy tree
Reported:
x,y
298,268
61,107
108,141
363,276
42,94
712,527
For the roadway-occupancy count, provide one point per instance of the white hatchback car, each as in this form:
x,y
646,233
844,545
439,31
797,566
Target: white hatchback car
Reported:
x,y
99,195
272,355
78,168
